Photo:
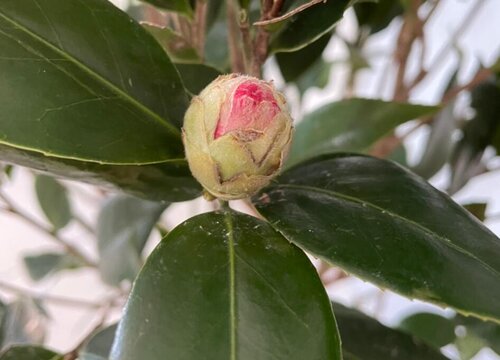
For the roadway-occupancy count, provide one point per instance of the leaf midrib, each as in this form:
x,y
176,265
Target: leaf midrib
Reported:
x,y
232,286
173,130
445,240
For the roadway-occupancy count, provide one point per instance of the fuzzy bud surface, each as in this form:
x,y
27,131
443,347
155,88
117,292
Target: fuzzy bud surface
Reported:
x,y
237,134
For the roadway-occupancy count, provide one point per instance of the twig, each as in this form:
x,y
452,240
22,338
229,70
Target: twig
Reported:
x,y
14,209
481,76
237,62
200,24
289,14
269,10
247,40
62,300
84,224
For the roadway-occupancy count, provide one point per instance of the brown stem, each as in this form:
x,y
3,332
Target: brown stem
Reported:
x,y
61,300
200,27
289,14
14,209
237,62
269,10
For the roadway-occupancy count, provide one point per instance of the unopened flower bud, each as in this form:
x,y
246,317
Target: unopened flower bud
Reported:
x,y
236,134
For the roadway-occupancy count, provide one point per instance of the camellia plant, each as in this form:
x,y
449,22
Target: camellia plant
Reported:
x,y
167,102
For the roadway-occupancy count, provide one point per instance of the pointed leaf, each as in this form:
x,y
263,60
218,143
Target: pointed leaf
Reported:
x,y
308,25
74,86
384,224
227,286
294,64
53,200
99,345
177,47
364,338
350,125
29,353
169,181
123,227
41,265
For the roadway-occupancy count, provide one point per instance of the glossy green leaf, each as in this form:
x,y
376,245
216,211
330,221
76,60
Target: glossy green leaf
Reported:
x,y
308,25
196,76
81,80
41,265
99,345
123,227
53,200
227,286
177,47
29,353
386,225
376,16
182,6
350,125
364,338
167,181
436,330
294,64
25,323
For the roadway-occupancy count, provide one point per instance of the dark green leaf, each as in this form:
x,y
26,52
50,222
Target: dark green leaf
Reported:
x,y
294,64
477,209
434,329
81,80
177,48
123,227
99,345
227,286
182,6
197,76
29,353
478,134
350,125
170,180
25,323
317,75
53,201
364,338
377,16
42,265
309,25
384,224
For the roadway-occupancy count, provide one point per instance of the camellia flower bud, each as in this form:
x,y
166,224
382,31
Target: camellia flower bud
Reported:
x,y
236,134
